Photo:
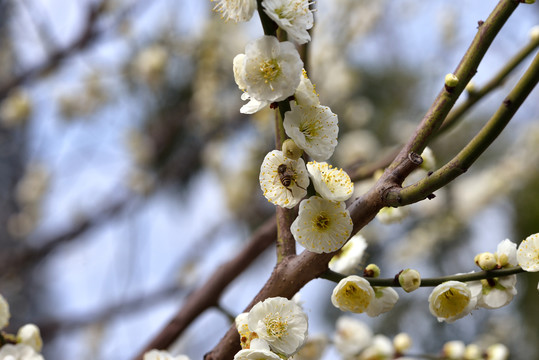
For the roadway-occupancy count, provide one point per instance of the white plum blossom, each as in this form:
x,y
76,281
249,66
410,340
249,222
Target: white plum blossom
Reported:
x,y
284,181
454,349
451,300
313,128
269,70
353,293
329,182
312,349
236,10
322,226
4,312
347,260
389,215
281,323
506,253
293,16
246,335
259,350
528,253
305,94
496,292
19,352
384,300
351,337
30,335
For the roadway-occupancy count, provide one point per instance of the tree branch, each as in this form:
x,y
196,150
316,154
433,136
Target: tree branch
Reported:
x,y
467,156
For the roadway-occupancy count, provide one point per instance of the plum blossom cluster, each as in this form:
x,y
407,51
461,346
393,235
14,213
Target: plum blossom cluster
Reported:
x,y
25,345
273,328
272,71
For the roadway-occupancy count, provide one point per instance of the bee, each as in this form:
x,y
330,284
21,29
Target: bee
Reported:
x,y
286,176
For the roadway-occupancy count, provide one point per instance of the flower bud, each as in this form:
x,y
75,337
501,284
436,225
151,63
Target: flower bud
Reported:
x,y
29,335
409,280
451,81
4,313
454,349
486,261
372,270
529,1
291,150
497,352
470,88
402,342
472,352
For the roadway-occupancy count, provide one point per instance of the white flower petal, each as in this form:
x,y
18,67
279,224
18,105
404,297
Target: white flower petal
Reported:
x,y
506,253
451,300
348,259
384,300
353,293
4,312
236,10
528,253
351,337
331,183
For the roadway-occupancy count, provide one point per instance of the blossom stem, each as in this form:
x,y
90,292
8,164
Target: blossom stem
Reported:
x,y
429,282
497,80
467,156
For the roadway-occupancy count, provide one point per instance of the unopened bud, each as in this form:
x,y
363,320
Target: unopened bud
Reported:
x,y
486,261
472,352
454,349
529,1
503,260
409,280
451,81
497,352
372,270
29,335
291,150
402,342
471,88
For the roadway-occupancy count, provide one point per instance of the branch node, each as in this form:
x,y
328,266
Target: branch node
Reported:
x,y
415,158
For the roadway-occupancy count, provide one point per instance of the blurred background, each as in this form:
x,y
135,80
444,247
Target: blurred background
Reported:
x,y
127,173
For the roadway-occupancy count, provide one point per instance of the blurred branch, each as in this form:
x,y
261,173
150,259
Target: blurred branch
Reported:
x,y
87,36
50,328
20,258
467,156
291,274
208,295
429,282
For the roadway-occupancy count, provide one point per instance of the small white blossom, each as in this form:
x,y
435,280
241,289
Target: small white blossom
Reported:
x,y
259,350
528,253
353,293
313,349
351,336
402,342
236,10
283,181
384,300
329,182
381,348
30,335
348,259
322,226
19,352
451,300
495,293
313,128
305,94
506,253
270,70
389,215
281,323
4,312
246,335
293,16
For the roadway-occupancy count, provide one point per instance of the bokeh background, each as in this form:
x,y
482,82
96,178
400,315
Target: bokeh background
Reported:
x,y
127,173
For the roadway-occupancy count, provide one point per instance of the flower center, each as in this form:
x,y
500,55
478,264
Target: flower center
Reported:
x,y
270,70
452,302
355,298
322,221
276,326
